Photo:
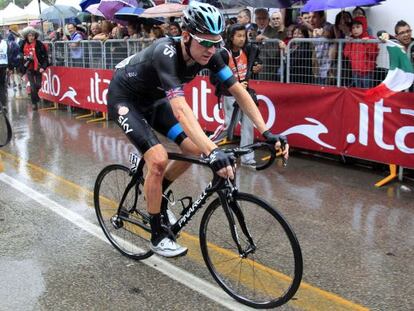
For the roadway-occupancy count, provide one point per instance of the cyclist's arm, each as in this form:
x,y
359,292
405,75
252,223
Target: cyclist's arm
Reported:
x,y
191,127
248,106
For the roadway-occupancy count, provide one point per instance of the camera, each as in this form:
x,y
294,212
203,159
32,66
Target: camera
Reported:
x,y
27,60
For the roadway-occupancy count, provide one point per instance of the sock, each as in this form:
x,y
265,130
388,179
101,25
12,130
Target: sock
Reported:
x,y
157,231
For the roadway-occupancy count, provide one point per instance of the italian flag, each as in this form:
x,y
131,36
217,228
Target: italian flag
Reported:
x,y
399,78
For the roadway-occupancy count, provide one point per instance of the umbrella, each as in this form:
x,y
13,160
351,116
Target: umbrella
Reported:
x,y
257,3
110,7
59,12
129,14
319,5
165,10
84,4
93,9
133,15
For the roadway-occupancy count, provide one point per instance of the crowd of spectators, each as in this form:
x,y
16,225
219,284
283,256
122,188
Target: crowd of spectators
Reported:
x,y
323,60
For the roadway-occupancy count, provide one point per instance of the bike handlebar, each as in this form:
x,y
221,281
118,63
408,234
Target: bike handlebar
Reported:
x,y
218,181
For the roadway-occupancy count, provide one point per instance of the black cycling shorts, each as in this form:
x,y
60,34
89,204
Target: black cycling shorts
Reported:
x,y
139,125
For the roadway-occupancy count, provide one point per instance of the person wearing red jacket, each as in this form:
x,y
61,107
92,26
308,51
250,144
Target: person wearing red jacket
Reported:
x,y
362,56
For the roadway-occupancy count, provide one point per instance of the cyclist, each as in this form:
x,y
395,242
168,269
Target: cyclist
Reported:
x,y
146,93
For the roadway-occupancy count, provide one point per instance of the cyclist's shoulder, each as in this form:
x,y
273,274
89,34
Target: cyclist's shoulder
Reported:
x,y
165,47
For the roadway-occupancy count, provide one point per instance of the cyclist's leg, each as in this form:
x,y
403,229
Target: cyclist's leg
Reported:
x,y
163,121
143,137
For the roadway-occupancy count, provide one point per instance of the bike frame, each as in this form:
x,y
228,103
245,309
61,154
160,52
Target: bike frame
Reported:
x,y
222,187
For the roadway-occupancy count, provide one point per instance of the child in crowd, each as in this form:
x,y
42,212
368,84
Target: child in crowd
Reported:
x,y
362,56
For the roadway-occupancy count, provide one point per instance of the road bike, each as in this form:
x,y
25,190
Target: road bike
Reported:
x,y
5,127
248,246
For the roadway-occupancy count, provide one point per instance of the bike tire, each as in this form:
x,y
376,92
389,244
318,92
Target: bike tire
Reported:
x,y
5,129
131,239
276,272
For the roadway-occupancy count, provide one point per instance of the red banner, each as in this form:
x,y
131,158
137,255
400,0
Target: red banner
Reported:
x,y
326,119
78,87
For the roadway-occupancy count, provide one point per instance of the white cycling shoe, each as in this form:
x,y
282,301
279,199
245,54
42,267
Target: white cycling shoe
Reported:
x,y
168,248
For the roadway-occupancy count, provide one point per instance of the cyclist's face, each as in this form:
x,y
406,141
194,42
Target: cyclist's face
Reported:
x,y
200,53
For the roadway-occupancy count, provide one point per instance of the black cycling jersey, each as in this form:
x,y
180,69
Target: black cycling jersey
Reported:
x,y
141,85
160,71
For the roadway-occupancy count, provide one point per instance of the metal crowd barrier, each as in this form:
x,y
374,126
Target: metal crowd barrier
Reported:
x,y
320,61
339,62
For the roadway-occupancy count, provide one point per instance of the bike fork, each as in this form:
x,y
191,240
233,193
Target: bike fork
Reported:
x,y
231,208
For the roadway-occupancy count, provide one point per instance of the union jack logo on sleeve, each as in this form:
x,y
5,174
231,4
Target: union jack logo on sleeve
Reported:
x,y
175,92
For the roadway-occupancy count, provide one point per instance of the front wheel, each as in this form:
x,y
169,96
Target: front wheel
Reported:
x,y
268,271
127,227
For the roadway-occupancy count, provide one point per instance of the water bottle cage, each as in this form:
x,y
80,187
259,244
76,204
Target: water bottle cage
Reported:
x,y
185,202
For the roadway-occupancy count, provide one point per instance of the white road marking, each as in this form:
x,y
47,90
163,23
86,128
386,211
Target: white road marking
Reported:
x,y
199,285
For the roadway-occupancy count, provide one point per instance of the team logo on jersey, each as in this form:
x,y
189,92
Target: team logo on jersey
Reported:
x,y
170,50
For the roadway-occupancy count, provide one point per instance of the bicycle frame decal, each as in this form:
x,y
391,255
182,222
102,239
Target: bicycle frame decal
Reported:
x,y
189,212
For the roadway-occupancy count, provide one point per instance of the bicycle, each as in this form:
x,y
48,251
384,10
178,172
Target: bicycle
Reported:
x,y
5,127
249,248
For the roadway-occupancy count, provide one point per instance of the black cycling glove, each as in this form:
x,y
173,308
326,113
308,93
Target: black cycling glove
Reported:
x,y
274,138
219,159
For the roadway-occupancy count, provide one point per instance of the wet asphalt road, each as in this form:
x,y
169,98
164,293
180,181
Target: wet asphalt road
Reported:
x,y
357,240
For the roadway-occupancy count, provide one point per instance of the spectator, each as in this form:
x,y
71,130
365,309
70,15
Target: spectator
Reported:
x,y
318,21
342,30
277,23
358,11
244,17
95,30
264,31
362,56
132,30
403,34
305,18
34,61
343,23
105,34
174,29
116,51
324,54
14,79
82,31
300,57
243,59
75,48
252,32
4,67
156,32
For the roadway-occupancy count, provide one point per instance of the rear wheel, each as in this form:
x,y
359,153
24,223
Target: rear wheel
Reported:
x,y
5,129
127,228
268,272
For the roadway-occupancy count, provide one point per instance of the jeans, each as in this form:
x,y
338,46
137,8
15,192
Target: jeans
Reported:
x,y
247,129
35,80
